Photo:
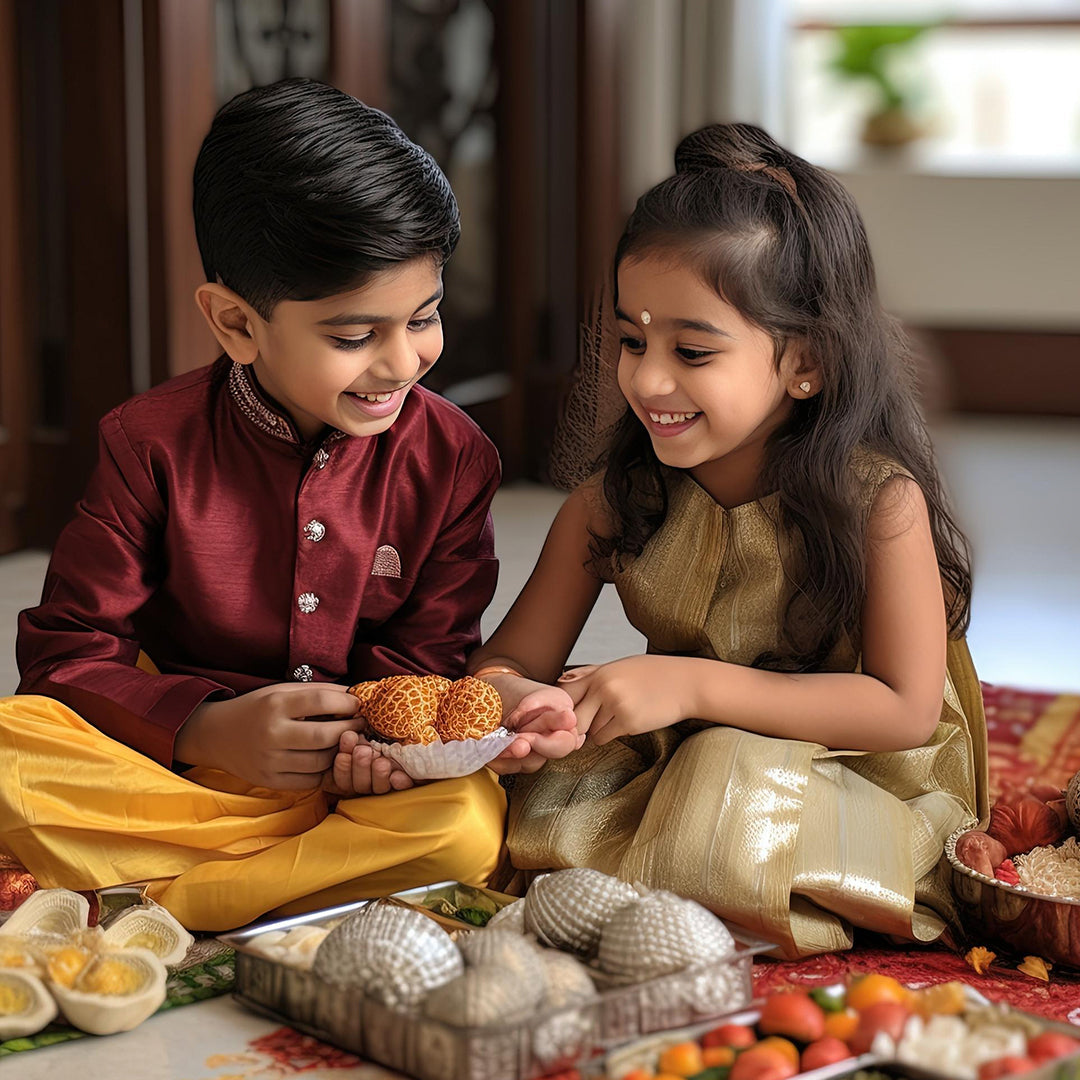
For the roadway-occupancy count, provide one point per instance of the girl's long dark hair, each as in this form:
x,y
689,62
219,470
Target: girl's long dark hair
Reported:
x,y
782,241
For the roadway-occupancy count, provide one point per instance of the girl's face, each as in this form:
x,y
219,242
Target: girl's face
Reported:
x,y
700,378
349,361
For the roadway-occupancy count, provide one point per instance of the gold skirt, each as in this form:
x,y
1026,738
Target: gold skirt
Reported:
x,y
785,838
82,811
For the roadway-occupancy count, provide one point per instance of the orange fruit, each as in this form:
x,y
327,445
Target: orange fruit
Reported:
x,y
762,1063
792,1014
876,990
945,999
887,1016
637,1074
781,1046
1051,1044
737,1035
827,1051
682,1059
842,1025
717,1056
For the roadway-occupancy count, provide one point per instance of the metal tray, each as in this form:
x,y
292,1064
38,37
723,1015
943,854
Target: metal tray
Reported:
x,y
430,1050
642,1053
1025,921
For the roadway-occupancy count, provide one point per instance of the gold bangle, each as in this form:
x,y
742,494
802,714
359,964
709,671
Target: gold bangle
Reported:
x,y
497,669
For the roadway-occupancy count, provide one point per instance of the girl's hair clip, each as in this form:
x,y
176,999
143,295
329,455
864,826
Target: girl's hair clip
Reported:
x,y
780,175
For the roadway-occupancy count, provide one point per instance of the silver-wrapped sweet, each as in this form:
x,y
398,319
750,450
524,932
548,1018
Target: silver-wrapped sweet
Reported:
x,y
481,997
661,933
566,980
504,949
511,917
1072,802
568,908
393,954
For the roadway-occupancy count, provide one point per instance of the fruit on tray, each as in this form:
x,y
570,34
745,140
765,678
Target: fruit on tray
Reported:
x,y
799,1031
794,1014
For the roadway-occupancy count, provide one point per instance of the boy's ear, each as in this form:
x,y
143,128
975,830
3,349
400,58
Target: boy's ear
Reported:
x,y
801,372
230,318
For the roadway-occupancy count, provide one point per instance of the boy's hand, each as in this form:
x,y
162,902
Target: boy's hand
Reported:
x,y
268,736
359,770
541,716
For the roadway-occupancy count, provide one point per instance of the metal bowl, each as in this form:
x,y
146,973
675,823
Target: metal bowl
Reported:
x,y
1028,922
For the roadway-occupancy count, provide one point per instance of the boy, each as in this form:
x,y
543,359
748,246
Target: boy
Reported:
x,y
294,518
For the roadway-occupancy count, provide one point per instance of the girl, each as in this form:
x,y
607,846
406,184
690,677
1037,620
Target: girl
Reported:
x,y
806,728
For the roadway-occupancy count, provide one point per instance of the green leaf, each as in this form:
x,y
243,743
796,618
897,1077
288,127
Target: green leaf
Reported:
x,y
715,1072
865,52
474,916
831,1000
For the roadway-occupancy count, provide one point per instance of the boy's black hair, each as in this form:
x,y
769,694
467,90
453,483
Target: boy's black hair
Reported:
x,y
301,192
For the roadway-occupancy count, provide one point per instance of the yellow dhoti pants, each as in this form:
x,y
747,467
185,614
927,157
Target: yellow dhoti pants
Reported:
x,y
82,811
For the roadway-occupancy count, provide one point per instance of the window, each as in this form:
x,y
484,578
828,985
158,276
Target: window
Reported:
x,y
985,86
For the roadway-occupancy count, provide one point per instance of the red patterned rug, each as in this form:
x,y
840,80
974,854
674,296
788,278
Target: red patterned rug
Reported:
x,y
1033,737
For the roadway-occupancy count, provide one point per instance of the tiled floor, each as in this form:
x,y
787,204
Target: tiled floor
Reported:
x,y
1011,481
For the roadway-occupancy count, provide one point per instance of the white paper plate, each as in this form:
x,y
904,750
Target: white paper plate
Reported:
x,y
443,760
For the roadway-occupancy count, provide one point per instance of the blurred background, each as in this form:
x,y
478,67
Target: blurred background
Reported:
x,y
956,125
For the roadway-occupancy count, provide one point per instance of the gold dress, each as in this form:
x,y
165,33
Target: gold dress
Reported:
x,y
787,838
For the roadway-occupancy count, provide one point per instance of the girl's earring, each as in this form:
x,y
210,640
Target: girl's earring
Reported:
x,y
804,387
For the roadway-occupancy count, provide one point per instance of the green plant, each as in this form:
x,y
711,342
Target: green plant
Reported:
x,y
865,53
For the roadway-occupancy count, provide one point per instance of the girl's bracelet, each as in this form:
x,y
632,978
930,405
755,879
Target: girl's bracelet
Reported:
x,y
497,669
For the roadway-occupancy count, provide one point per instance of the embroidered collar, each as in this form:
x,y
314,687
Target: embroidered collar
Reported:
x,y
251,402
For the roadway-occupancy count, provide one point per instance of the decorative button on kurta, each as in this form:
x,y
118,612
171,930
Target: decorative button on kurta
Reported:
x,y
321,458
303,673
314,530
307,602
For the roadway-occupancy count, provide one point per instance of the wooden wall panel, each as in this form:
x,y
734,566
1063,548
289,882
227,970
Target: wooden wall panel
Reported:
x,y
180,104
14,347
1017,372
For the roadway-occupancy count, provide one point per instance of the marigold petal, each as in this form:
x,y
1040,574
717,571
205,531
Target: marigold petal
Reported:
x,y
1036,967
980,959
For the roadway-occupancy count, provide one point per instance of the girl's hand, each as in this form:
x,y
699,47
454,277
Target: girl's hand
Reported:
x,y
543,718
627,697
359,770
283,736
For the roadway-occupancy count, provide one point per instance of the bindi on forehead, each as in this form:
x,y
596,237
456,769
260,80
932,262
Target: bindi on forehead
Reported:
x,y
677,323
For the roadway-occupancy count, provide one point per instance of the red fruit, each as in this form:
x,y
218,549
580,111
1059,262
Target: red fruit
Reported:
x,y
825,1051
887,1016
1006,1066
737,1036
793,1014
1051,1044
1022,821
1007,872
979,851
764,1063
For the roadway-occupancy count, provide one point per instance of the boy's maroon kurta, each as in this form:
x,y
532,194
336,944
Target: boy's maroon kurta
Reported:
x,y
236,556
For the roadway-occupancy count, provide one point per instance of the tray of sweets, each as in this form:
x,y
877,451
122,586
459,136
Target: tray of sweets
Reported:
x,y
971,1040
528,1044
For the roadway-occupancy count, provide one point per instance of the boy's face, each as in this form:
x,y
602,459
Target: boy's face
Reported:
x,y
348,361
